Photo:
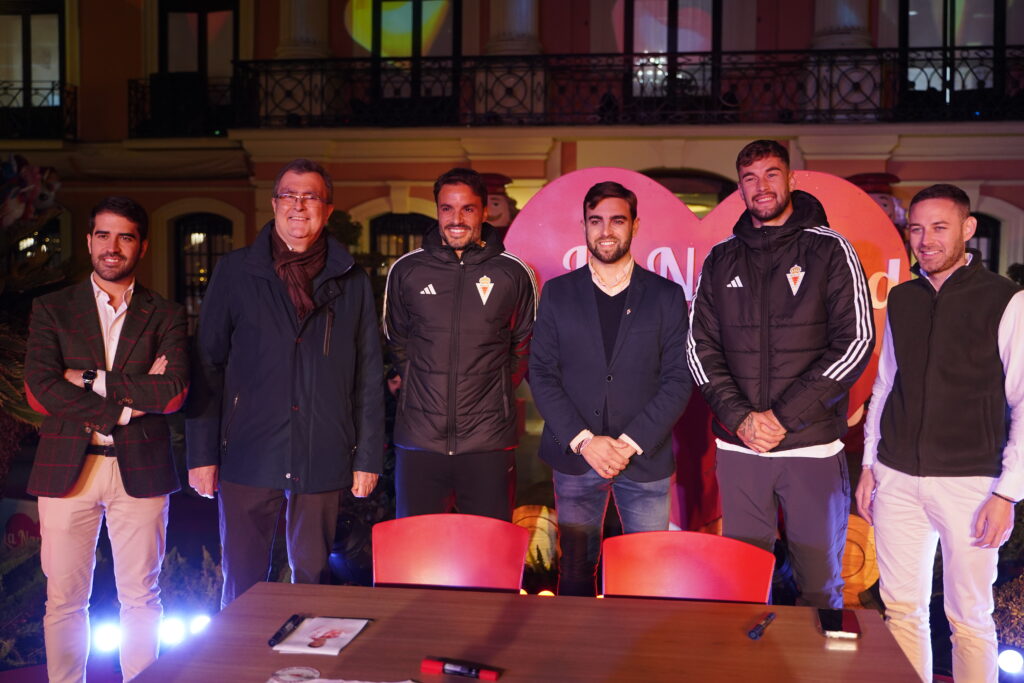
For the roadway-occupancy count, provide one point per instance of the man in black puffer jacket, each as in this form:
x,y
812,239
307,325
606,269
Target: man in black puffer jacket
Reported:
x,y
458,314
781,328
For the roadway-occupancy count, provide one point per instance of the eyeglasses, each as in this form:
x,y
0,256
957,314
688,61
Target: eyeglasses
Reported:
x,y
295,199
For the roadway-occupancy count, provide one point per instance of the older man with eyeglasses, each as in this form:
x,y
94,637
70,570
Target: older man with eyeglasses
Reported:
x,y
287,407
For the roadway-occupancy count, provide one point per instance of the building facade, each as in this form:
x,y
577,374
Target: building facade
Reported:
x,y
192,106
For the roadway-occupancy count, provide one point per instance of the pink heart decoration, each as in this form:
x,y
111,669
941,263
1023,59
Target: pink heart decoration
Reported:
x,y
673,242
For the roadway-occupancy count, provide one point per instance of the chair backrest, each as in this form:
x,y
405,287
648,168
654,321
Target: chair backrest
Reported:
x,y
453,550
686,564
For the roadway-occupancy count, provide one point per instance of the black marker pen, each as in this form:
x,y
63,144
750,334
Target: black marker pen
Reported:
x,y
288,626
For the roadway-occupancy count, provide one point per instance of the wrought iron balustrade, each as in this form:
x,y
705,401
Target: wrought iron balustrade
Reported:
x,y
600,89
43,110
179,105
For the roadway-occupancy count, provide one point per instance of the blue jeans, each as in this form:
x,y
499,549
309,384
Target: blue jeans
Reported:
x,y
581,501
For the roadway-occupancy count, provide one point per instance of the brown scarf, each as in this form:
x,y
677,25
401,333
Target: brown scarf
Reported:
x,y
298,268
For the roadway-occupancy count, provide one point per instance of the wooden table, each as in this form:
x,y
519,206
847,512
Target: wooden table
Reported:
x,y
531,638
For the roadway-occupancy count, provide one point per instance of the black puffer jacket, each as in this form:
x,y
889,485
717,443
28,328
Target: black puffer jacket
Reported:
x,y
781,319
459,331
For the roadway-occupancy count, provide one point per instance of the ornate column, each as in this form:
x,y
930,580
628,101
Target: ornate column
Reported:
x,y
841,24
513,28
303,33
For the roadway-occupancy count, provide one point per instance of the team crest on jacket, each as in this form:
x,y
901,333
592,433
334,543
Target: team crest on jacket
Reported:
x,y
795,276
484,287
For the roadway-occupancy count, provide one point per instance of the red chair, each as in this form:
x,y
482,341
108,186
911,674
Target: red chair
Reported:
x,y
452,550
686,564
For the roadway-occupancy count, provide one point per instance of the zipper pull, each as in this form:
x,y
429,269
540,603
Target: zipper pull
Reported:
x,y
327,331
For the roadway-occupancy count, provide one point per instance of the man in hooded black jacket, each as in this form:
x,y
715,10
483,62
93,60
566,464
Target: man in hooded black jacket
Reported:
x,y
780,329
458,314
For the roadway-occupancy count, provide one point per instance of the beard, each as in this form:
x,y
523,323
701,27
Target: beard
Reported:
x,y
113,272
930,264
471,236
770,213
613,256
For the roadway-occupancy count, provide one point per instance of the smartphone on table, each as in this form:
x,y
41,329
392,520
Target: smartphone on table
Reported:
x,y
839,623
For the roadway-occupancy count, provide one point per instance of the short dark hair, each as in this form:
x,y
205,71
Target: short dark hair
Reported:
x,y
945,191
463,176
306,166
124,207
761,149
609,189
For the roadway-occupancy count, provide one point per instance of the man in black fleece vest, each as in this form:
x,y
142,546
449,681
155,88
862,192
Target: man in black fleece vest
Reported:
x,y
944,438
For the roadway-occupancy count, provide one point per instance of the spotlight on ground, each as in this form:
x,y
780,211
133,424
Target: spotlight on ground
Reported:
x,y
1011,661
198,623
172,631
106,637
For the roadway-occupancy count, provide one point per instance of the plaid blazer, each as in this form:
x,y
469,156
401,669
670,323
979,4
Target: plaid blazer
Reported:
x,y
64,332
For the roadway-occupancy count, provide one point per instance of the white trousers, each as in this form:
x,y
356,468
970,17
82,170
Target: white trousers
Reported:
x,y
70,527
911,514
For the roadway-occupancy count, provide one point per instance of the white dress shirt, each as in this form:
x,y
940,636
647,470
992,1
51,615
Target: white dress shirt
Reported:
x,y
111,322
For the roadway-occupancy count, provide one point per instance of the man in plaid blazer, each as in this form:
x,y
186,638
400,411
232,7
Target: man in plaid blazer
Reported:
x,y
106,361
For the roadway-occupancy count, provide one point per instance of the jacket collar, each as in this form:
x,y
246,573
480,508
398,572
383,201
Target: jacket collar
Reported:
x,y
140,310
969,269
634,299
474,253
807,213
259,259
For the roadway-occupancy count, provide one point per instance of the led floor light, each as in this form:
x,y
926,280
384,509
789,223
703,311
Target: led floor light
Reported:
x,y
1011,661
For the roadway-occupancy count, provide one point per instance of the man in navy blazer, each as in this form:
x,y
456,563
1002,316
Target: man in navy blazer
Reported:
x,y
608,374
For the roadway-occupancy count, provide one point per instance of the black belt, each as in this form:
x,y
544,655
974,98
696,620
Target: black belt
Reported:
x,y
108,451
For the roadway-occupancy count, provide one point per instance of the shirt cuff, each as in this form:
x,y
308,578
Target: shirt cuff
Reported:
x,y
585,434
99,385
126,416
1011,485
632,444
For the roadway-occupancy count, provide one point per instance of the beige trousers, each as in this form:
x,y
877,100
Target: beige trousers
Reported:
x,y
70,527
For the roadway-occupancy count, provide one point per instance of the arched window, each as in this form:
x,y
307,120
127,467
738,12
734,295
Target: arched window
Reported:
x,y
200,239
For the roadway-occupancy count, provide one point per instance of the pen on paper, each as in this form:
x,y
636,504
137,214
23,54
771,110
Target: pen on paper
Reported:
x,y
758,630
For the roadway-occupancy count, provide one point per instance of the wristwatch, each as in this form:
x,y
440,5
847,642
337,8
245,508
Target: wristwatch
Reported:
x,y
88,377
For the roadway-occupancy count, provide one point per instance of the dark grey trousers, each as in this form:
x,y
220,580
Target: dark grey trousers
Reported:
x,y
814,495
249,517
481,483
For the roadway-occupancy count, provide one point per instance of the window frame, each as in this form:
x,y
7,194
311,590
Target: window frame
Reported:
x,y
26,9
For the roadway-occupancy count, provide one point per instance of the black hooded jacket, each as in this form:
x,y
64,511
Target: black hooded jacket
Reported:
x,y
459,332
781,320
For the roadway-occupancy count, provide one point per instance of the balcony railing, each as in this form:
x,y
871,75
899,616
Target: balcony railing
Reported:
x,y
43,110
616,89
179,105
